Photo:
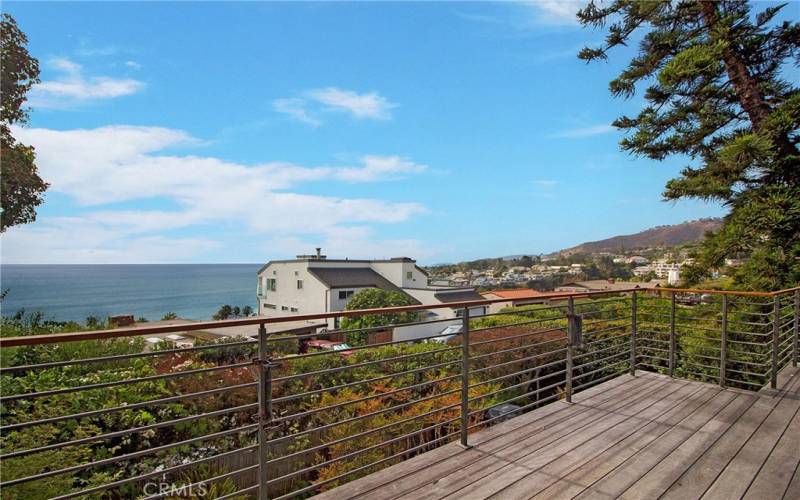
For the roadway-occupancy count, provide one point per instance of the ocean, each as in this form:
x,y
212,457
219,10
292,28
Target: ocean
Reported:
x,y
75,292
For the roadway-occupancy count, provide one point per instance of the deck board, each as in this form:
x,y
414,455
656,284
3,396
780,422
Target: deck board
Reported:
x,y
497,465
774,477
572,483
702,473
596,444
527,462
635,437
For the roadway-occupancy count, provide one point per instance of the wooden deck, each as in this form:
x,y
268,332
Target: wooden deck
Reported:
x,y
639,437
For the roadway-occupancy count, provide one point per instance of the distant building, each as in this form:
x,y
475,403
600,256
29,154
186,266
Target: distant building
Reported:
x,y
312,284
662,267
674,276
609,285
516,297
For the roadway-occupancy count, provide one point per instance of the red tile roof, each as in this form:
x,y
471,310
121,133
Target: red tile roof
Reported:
x,y
518,293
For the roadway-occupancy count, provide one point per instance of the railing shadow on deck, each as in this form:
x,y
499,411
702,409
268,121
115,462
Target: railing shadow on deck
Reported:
x,y
265,417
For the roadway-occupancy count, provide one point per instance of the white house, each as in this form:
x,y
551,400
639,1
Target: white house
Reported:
x,y
312,284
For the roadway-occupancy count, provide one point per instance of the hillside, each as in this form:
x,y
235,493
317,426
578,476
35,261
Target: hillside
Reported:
x,y
660,236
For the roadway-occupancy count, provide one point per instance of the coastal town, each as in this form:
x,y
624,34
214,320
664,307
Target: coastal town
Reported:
x,y
316,284
664,270
400,250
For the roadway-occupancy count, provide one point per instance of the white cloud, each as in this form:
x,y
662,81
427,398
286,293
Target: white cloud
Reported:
x,y
581,132
133,64
543,188
556,11
380,167
78,240
113,164
107,165
312,104
371,105
87,49
296,108
73,87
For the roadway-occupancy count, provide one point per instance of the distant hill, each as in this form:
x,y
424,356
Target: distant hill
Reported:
x,y
660,236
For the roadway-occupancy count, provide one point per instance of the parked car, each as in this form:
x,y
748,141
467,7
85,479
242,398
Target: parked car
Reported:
x,y
328,345
447,334
503,412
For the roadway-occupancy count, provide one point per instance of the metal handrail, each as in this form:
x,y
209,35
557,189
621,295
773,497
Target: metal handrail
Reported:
x,y
258,321
645,329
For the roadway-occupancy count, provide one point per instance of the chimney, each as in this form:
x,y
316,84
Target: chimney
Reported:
x,y
316,256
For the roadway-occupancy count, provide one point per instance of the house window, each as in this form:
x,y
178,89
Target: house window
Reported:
x,y
284,308
297,273
299,284
293,309
409,275
345,294
270,306
272,284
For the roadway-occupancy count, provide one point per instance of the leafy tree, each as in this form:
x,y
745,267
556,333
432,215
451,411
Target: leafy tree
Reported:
x,y
224,312
247,311
169,316
21,187
93,322
373,298
717,94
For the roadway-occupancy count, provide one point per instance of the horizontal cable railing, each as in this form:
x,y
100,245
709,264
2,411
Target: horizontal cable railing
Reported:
x,y
270,416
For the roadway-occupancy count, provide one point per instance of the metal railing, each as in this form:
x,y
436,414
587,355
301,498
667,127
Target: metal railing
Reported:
x,y
736,339
101,414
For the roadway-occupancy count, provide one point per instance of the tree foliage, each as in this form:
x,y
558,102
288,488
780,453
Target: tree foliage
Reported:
x,y
227,312
716,91
372,298
22,188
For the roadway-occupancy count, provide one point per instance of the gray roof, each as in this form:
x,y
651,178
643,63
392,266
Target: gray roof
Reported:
x,y
314,258
460,296
351,277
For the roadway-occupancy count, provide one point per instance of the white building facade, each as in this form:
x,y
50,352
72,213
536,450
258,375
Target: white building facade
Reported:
x,y
312,284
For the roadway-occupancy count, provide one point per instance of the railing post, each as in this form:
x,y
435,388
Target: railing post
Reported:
x,y
264,409
672,340
723,338
776,320
633,333
796,327
570,336
465,378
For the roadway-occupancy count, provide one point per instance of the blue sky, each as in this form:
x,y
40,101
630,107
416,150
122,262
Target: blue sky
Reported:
x,y
176,132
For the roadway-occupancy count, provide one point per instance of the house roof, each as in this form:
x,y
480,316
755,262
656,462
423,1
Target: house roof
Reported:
x,y
314,258
351,277
520,294
459,296
597,285
516,293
